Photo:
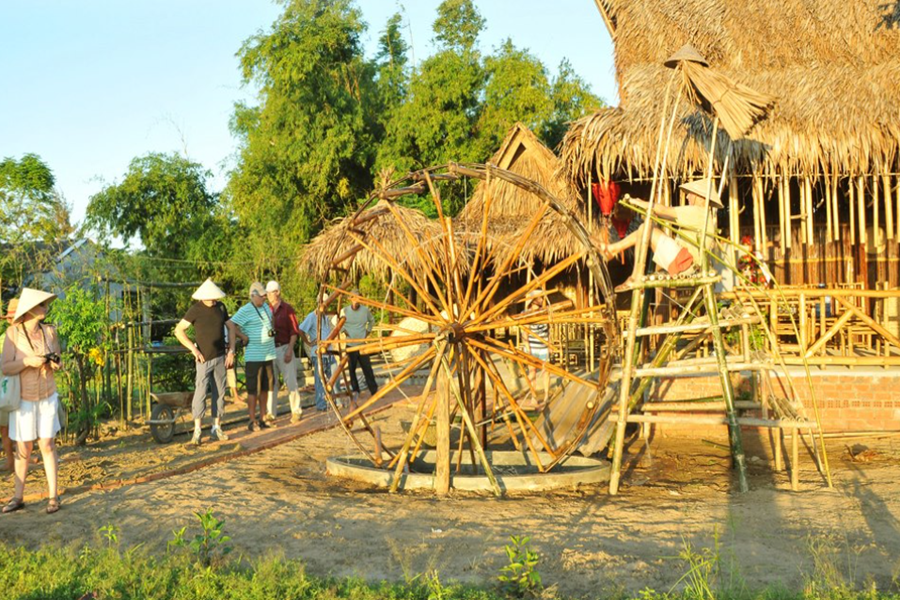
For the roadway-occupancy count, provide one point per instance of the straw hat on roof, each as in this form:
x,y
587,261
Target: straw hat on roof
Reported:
x,y
700,187
686,53
29,299
208,291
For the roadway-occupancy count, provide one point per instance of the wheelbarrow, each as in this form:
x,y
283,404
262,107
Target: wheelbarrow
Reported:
x,y
167,409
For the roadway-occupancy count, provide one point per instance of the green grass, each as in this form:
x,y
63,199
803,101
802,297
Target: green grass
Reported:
x,y
69,573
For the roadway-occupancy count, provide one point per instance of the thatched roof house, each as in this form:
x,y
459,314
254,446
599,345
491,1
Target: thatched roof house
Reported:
x,y
512,208
833,65
826,158
381,226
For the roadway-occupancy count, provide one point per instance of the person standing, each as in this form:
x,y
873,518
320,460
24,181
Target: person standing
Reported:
x,y
286,332
4,415
208,316
358,324
309,332
31,350
255,321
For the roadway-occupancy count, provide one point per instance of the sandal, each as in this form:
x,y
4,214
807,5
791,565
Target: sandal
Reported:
x,y
13,505
53,505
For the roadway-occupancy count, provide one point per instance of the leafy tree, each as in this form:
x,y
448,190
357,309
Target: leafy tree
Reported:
x,y
391,72
307,149
458,25
163,201
34,218
572,99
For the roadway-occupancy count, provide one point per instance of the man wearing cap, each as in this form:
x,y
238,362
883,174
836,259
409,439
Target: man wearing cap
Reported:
x,y
286,332
255,321
309,332
358,323
675,256
4,415
208,317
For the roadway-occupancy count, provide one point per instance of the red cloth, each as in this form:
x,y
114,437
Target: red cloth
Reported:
x,y
621,226
285,320
606,194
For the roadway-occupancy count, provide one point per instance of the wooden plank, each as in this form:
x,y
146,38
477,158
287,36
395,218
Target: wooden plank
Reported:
x,y
720,420
698,327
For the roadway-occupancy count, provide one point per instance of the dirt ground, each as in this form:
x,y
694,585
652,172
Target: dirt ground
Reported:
x,y
677,491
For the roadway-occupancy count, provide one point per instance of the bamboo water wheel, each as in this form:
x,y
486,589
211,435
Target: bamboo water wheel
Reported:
x,y
453,293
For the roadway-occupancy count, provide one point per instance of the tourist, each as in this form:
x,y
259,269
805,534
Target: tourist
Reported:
x,y
31,350
358,324
674,256
255,321
286,332
211,355
4,415
309,332
537,336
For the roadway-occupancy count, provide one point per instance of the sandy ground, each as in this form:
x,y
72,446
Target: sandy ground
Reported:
x,y
676,492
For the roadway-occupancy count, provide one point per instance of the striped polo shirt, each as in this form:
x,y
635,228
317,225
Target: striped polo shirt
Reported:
x,y
256,324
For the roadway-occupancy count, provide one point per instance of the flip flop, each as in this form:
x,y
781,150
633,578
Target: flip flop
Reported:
x,y
13,505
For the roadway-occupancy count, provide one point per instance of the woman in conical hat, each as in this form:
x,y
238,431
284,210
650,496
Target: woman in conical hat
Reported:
x,y
31,351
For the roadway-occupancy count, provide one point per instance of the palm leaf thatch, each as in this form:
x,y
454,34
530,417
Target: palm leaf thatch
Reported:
x,y
511,208
833,65
381,228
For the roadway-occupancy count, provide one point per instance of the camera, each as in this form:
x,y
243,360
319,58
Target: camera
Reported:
x,y
53,357
271,333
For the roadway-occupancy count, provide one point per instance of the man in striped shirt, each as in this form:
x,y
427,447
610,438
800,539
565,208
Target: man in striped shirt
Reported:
x,y
256,322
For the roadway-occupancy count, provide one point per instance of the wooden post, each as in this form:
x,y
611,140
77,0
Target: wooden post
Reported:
x,y
754,194
442,429
763,233
779,457
804,336
861,209
734,221
852,202
807,185
795,458
788,225
888,208
876,198
782,217
829,231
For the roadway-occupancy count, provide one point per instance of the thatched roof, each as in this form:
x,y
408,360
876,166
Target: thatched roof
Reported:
x,y
511,207
381,226
833,65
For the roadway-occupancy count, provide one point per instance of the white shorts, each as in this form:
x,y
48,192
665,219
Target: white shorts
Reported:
x,y
35,420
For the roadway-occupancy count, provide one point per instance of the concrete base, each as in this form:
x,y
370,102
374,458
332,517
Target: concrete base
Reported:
x,y
515,472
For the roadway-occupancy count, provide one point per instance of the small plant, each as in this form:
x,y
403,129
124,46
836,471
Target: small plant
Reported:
x,y
208,545
520,578
702,575
111,533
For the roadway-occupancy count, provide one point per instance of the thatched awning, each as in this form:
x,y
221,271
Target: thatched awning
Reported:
x,y
833,65
511,207
382,231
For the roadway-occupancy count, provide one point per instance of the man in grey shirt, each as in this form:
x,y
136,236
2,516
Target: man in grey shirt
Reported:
x,y
358,323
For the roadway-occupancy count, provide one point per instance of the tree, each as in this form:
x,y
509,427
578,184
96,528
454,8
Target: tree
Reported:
x,y
436,121
307,149
572,99
34,218
163,201
391,73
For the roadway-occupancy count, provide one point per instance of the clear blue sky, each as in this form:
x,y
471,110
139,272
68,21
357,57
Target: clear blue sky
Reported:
x,y
90,84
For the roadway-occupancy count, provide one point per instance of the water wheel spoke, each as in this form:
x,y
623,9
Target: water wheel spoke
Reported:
x,y
393,384
526,359
521,417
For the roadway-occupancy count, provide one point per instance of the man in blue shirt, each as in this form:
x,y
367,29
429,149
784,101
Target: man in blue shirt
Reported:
x,y
310,335
255,321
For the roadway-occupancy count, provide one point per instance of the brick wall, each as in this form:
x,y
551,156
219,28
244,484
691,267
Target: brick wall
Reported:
x,y
848,400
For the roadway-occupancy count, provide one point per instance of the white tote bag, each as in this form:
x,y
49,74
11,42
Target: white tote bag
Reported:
x,y
10,393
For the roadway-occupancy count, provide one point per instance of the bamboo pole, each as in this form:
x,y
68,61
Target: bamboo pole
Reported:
x,y
876,198
807,186
835,209
861,209
888,208
852,204
757,228
734,221
795,460
782,244
788,227
829,228
763,233
442,426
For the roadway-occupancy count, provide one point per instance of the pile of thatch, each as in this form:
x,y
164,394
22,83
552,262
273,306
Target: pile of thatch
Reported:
x,y
834,66
512,208
382,231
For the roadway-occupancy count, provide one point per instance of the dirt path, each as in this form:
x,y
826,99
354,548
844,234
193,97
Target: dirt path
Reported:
x,y
678,492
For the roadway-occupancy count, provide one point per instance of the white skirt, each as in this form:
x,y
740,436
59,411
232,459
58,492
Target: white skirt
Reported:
x,y
35,420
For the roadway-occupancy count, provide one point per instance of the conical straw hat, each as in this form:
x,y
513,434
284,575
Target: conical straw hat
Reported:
x,y
29,299
700,187
686,53
208,291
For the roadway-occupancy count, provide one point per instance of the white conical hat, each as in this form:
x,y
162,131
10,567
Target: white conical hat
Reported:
x,y
29,299
700,187
208,291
